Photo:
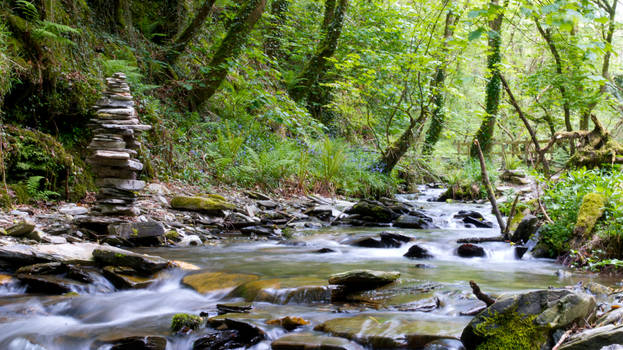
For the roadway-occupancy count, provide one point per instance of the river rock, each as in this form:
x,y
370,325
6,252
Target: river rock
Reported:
x,y
473,218
417,252
311,341
543,311
242,307
140,343
469,250
210,204
358,280
190,240
208,281
595,338
142,263
223,339
260,231
289,323
374,211
72,209
126,278
148,233
295,290
247,333
527,227
21,229
390,331
415,220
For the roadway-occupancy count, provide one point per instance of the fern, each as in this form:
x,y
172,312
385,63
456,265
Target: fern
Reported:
x,y
44,30
33,185
27,10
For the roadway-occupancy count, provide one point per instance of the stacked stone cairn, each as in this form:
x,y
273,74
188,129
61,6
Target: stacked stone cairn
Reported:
x,y
113,150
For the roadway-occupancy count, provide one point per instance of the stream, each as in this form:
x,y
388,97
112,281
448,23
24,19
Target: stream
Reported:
x,y
86,321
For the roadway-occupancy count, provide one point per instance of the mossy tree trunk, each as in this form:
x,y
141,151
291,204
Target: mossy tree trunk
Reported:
x,y
398,148
306,84
278,12
227,50
438,116
191,30
484,135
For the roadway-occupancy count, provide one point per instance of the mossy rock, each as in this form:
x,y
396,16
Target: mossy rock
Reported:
x,y
591,209
205,282
212,205
185,321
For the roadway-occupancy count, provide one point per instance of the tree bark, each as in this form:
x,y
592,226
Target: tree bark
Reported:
x,y
480,295
317,66
226,50
185,36
272,44
438,116
484,135
489,188
396,150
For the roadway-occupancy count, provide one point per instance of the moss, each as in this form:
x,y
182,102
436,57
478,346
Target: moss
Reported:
x,y
591,209
181,321
211,203
172,235
511,331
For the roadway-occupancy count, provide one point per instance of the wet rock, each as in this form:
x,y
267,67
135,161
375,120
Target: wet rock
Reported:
x,y
387,331
311,341
238,220
48,284
209,204
374,211
142,263
22,229
190,240
325,251
612,317
140,343
247,333
598,289
520,251
207,281
324,212
298,290
126,278
364,242
260,231
358,280
57,268
185,322
417,252
595,338
18,255
289,323
150,233
444,344
473,218
527,227
415,220
469,250
221,340
542,312
424,305
239,307
393,239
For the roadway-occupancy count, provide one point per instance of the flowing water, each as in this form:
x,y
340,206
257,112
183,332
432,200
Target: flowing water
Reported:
x,y
86,321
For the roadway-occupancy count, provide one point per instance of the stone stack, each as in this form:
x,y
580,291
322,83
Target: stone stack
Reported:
x,y
113,150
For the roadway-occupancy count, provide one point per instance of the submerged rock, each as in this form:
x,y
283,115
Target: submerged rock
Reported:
x,y
385,332
239,307
126,278
417,252
299,290
140,343
528,319
416,220
311,341
208,281
246,333
473,218
469,250
289,323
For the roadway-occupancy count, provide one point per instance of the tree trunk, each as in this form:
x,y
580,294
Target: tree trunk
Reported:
x,y
396,150
182,40
438,116
278,11
487,128
317,66
226,50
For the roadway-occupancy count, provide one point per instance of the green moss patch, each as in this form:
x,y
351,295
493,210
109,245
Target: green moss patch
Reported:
x,y
510,330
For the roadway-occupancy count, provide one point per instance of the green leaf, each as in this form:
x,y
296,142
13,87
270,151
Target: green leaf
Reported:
x,y
476,34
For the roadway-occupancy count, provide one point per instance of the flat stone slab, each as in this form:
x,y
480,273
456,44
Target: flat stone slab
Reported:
x,y
311,341
111,154
208,281
121,184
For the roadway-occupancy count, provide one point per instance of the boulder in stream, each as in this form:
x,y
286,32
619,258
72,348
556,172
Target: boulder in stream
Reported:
x,y
417,252
527,320
207,281
416,220
473,219
142,263
469,250
527,227
374,211
359,280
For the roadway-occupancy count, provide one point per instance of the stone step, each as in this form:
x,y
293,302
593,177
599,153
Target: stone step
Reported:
x,y
107,144
111,155
131,121
117,111
131,164
121,184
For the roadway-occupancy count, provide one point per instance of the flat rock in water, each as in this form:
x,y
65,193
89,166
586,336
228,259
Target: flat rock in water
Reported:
x,y
417,252
380,331
298,290
311,341
48,284
208,281
126,278
21,254
414,221
142,263
364,279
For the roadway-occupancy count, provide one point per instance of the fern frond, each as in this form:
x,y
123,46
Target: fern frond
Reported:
x,y
27,10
